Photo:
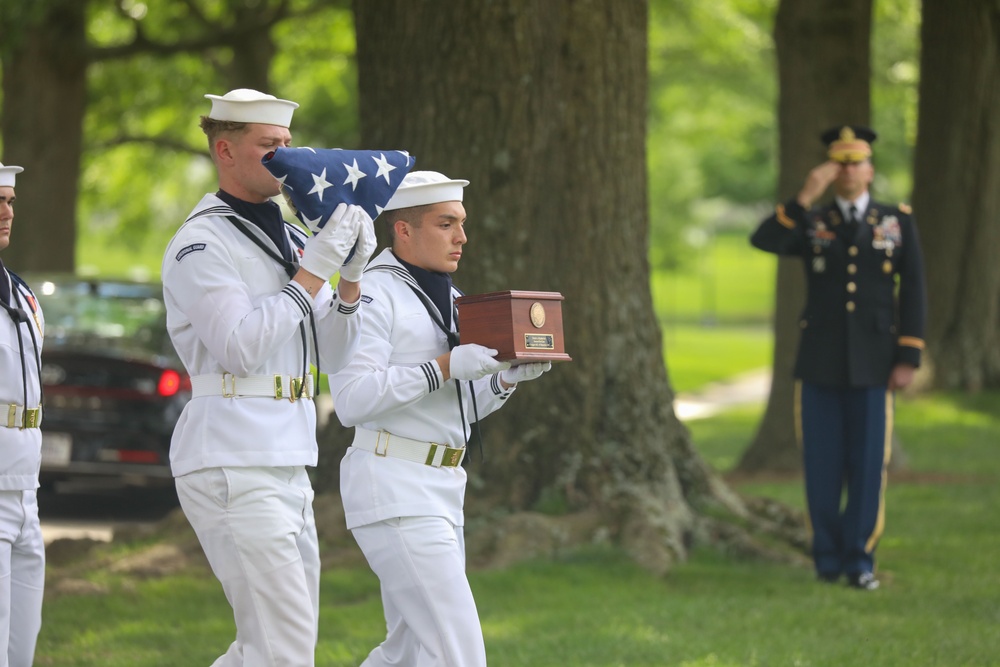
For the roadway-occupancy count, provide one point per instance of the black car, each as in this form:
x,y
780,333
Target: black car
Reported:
x,y
113,384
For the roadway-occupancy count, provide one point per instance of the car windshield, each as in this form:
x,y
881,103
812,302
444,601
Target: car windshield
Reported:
x,y
104,316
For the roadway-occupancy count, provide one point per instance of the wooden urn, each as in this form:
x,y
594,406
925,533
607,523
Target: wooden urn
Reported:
x,y
522,326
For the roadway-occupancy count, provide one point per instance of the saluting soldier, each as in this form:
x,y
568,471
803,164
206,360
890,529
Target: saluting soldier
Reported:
x,y
862,337
249,309
22,549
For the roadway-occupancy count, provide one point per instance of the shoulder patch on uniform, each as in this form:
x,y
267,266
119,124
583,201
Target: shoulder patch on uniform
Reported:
x,y
905,208
366,298
187,250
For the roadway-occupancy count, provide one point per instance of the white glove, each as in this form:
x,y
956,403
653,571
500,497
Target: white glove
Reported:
x,y
525,372
364,247
472,361
325,252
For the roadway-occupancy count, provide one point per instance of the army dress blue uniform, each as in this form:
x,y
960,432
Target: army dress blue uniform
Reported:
x,y
864,314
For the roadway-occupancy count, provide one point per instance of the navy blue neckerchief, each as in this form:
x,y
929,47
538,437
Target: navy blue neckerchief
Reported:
x,y
4,285
266,216
435,285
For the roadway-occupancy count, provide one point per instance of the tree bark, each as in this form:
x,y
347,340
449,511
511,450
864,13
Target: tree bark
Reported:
x,y
44,94
823,49
542,107
956,198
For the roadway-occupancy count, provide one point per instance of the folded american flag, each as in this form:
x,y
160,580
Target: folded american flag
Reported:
x,y
316,180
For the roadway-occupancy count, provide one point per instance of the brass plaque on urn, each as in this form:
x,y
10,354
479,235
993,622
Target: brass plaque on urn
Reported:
x,y
522,326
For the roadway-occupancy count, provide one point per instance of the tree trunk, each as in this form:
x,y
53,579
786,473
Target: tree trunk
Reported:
x,y
44,97
542,107
956,197
823,49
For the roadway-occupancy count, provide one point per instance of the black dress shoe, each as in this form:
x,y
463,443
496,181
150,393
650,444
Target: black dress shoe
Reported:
x,y
864,581
828,577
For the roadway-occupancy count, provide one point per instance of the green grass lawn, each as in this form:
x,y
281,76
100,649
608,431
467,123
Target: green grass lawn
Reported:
x,y
733,283
697,355
940,604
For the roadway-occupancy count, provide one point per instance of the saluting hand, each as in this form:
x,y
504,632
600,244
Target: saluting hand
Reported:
x,y
818,180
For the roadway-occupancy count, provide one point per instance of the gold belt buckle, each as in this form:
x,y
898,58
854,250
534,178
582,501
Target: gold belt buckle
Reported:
x,y
278,391
451,458
378,439
228,393
11,415
300,388
31,418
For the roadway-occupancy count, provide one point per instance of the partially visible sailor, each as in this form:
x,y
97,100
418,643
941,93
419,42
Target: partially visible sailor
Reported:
x,y
22,549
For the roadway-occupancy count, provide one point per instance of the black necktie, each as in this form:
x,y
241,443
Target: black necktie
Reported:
x,y
852,216
4,285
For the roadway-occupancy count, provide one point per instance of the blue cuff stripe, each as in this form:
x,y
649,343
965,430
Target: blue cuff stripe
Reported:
x,y
348,309
297,297
432,377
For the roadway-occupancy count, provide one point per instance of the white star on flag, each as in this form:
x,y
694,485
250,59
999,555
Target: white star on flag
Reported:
x,y
383,166
319,184
353,174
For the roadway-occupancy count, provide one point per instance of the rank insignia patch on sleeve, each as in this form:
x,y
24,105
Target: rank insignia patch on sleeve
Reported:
x,y
184,252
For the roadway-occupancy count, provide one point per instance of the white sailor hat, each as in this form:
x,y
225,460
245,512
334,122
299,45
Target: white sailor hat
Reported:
x,y
426,187
244,105
7,175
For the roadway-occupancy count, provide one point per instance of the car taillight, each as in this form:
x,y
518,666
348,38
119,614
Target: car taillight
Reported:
x,y
171,382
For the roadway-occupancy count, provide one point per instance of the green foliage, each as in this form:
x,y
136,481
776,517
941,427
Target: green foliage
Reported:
x,y
895,77
316,67
146,161
712,134
711,131
594,608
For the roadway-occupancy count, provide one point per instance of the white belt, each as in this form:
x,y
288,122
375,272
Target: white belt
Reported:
x,y
21,418
267,386
383,443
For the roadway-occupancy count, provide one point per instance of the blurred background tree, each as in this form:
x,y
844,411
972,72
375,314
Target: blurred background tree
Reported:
x,y
711,142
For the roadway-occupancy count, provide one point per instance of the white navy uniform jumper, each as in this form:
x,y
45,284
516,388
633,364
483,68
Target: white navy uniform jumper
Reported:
x,y
407,516
22,549
238,455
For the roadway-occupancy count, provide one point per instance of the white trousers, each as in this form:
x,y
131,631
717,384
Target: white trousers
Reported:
x,y
22,577
430,614
257,529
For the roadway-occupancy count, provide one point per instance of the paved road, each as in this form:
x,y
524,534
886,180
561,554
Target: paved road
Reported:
x,y
751,387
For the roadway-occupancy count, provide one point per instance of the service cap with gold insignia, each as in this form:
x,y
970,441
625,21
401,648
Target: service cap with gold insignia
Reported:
x,y
849,143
